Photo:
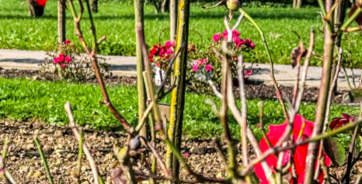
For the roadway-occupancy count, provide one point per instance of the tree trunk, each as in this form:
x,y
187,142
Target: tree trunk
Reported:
x,y
173,19
299,4
339,15
157,6
35,10
94,6
139,13
61,21
165,6
295,3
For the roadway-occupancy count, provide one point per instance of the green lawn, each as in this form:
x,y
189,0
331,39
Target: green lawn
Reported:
x,y
23,99
116,21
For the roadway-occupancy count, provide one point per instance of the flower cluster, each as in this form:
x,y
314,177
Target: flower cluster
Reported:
x,y
202,64
235,38
62,60
161,54
302,129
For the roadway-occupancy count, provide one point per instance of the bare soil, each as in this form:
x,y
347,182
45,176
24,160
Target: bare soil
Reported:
x,y
60,148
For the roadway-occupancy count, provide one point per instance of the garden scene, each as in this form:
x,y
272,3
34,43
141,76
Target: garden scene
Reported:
x,y
180,91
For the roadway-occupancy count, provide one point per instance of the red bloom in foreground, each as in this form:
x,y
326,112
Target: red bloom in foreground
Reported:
x,y
338,122
300,154
41,2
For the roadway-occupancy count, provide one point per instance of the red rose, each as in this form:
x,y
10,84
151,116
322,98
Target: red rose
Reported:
x,y
338,122
300,154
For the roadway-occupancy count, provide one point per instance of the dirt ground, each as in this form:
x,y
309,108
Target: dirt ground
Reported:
x,y
60,148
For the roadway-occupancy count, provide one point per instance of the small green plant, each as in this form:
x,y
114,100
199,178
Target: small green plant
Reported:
x,y
69,64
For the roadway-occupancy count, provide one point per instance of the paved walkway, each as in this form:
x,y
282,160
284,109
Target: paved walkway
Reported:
x,y
122,65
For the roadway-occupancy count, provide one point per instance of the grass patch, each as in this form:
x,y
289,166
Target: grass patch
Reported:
x,y
116,21
23,99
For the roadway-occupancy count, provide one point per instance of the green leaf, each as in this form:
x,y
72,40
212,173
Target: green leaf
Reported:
x,y
335,151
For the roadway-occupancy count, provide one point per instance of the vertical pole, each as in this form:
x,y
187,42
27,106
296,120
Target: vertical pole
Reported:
x,y
178,93
139,12
299,3
321,108
173,19
339,15
61,21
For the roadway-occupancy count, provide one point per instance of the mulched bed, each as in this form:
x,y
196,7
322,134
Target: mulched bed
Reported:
x,y
253,90
60,148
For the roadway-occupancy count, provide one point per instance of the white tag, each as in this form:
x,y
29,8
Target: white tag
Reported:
x,y
160,74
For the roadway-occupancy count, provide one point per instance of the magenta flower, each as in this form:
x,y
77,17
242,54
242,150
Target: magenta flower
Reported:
x,y
63,65
195,67
216,37
234,34
169,44
61,58
168,52
250,43
186,154
68,59
248,72
67,41
56,60
203,61
238,42
208,68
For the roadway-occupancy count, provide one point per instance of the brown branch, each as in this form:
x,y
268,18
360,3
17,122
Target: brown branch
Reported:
x,y
243,125
87,153
296,103
92,57
158,157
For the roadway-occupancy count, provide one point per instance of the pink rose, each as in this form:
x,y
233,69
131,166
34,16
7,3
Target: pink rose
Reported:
x,y
67,41
203,61
216,37
168,52
68,59
61,58
169,44
238,42
195,67
56,60
63,65
234,34
248,72
186,154
208,68
250,43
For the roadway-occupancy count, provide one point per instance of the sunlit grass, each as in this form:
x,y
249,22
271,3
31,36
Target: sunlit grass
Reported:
x,y
116,21
23,99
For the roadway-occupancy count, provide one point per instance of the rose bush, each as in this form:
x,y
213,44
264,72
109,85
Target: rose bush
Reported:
x,y
203,66
67,62
302,129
